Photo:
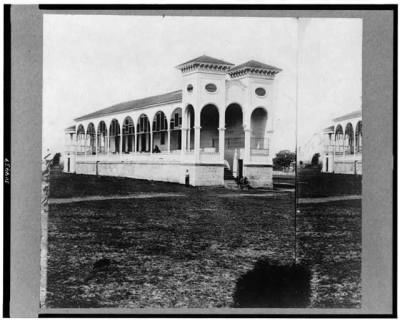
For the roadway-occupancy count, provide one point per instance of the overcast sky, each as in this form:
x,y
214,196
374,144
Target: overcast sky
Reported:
x,y
91,62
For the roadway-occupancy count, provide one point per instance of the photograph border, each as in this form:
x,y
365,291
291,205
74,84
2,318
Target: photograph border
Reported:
x,y
23,48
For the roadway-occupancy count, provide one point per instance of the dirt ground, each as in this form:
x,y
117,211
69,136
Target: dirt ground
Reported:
x,y
189,251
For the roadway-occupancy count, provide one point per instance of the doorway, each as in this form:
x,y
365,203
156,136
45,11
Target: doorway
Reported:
x,y
240,168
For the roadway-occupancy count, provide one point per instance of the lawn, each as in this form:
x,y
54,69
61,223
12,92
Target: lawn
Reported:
x,y
190,251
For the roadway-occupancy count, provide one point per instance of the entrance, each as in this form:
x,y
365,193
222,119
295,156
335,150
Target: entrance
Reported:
x,y
240,168
327,161
68,165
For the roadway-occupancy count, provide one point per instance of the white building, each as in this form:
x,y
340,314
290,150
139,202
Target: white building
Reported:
x,y
221,119
343,145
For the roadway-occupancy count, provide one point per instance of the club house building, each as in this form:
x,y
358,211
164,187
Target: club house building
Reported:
x,y
218,126
343,145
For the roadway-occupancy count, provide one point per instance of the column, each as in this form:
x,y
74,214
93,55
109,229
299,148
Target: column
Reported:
x,y
85,145
354,150
247,146
344,150
108,145
169,140
151,141
120,145
96,143
221,143
183,133
183,140
197,143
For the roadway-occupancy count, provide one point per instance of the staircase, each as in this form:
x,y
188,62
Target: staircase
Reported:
x,y
228,174
229,180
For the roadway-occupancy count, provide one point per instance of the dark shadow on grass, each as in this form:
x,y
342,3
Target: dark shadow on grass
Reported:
x,y
270,285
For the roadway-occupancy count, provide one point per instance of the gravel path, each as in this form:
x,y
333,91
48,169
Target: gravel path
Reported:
x,y
129,196
329,199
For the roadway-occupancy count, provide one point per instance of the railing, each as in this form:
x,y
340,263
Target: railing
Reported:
x,y
346,150
175,155
234,142
257,143
238,142
209,157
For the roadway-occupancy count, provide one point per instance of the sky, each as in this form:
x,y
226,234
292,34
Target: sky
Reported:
x,y
93,61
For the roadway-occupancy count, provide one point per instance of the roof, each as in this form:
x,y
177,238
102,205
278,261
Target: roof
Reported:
x,y
166,98
353,114
205,60
253,64
71,128
329,129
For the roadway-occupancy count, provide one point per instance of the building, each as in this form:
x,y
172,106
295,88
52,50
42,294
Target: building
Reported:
x,y
220,120
343,145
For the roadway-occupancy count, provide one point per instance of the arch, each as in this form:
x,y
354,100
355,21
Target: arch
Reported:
x,y
189,120
101,137
115,136
128,135
234,138
359,137
234,133
258,126
349,139
339,139
91,139
80,139
209,123
160,132
175,126
143,134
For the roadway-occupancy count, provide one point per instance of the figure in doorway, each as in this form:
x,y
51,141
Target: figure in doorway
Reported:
x,y
156,149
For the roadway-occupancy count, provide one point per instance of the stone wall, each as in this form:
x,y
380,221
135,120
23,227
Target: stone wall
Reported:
x,y
348,167
199,175
259,176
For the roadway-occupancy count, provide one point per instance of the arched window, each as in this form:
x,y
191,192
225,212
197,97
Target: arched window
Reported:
x,y
209,123
339,139
189,117
80,139
349,139
143,134
91,139
234,133
101,137
160,132
175,126
115,136
128,135
258,126
359,137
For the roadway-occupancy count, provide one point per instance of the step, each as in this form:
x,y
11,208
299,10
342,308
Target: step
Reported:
x,y
231,184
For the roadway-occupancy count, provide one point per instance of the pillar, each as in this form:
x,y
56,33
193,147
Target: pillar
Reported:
x,y
96,147
183,133
247,146
197,129
221,143
151,141
85,145
169,140
108,144
120,144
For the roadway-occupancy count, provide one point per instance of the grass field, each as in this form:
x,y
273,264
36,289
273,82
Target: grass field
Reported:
x,y
190,251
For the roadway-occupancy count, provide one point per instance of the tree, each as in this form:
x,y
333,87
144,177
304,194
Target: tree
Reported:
x,y
283,159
